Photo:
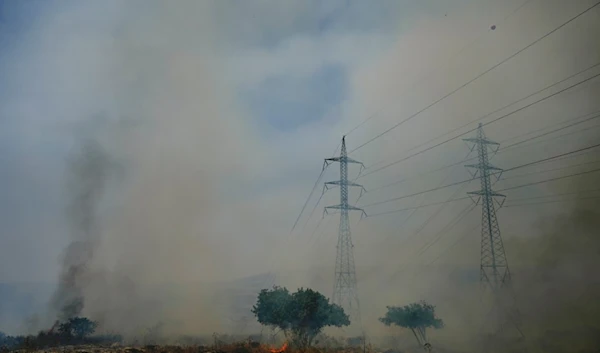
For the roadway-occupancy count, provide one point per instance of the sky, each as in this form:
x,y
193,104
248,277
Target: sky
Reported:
x,y
218,115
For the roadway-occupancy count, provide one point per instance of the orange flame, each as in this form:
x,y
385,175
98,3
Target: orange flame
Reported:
x,y
280,350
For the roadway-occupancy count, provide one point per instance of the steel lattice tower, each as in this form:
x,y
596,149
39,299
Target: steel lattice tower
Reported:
x,y
345,287
494,270
494,266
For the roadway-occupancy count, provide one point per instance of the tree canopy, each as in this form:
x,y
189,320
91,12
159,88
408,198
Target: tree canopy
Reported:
x,y
301,315
417,317
79,327
412,316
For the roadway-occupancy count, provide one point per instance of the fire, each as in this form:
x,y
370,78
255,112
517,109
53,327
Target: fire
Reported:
x,y
280,350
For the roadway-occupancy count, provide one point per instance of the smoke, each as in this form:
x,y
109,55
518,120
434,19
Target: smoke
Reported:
x,y
208,189
87,180
557,279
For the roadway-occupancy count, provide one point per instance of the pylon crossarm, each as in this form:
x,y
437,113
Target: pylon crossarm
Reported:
x,y
474,199
495,148
470,146
501,201
350,160
336,207
339,182
486,167
328,161
341,207
340,159
362,167
473,173
484,141
499,175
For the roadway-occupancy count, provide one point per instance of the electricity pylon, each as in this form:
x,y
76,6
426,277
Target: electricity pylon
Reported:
x,y
494,271
345,287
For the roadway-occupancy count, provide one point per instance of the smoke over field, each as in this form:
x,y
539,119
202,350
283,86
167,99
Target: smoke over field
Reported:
x,y
88,171
155,156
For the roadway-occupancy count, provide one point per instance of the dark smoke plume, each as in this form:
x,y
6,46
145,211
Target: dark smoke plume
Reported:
x,y
557,278
88,172
558,293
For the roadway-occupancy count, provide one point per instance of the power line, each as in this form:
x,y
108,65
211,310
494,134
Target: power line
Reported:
x,y
361,124
454,244
550,170
517,9
552,179
477,225
313,210
431,217
309,196
302,211
312,192
477,77
502,149
466,181
481,118
554,201
524,204
466,197
441,233
566,121
471,130
554,195
461,215
506,106
320,197
453,222
553,157
559,129
416,207
428,74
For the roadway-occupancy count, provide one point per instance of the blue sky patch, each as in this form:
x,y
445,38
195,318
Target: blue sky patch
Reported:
x,y
285,102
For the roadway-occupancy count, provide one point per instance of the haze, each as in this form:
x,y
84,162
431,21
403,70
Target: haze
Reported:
x,y
167,148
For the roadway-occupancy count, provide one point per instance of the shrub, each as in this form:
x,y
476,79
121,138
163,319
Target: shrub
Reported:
x,y
417,317
301,315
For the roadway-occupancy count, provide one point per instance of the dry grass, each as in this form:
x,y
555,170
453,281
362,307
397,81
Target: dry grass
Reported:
x,y
246,347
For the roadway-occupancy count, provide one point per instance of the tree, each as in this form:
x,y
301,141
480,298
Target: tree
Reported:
x,y
417,317
301,315
79,327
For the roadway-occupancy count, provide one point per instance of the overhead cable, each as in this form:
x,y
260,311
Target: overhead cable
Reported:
x,y
469,180
477,77
471,130
502,149
425,76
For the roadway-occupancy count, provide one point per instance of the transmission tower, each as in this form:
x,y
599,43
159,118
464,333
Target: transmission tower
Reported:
x,y
345,288
494,271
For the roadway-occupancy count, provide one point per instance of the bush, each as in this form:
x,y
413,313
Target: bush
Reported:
x,y
301,315
417,317
78,327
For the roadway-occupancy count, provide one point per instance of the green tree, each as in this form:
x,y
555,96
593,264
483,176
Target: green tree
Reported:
x,y
301,315
417,317
79,327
